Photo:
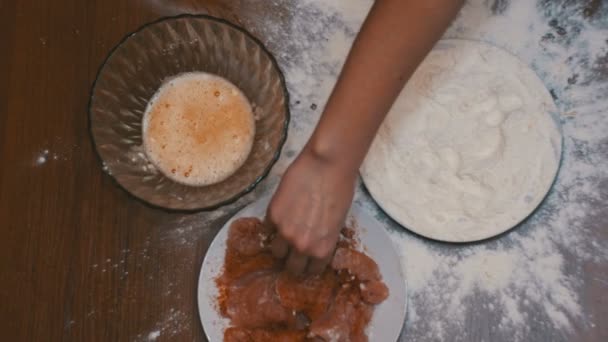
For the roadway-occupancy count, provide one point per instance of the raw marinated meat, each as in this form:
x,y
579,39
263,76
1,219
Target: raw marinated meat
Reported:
x,y
335,324
249,236
253,303
234,334
346,319
265,303
260,262
308,294
357,264
373,291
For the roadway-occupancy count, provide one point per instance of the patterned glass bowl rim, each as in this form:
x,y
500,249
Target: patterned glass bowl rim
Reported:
x,y
220,21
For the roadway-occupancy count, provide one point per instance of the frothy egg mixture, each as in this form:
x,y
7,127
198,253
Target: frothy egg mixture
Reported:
x,y
198,129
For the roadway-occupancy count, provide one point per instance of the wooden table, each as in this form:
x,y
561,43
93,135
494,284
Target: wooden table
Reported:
x,y
80,259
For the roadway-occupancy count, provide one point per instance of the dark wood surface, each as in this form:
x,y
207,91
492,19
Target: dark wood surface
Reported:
x,y
80,259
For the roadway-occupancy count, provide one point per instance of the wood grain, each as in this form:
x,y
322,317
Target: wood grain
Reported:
x,y
80,259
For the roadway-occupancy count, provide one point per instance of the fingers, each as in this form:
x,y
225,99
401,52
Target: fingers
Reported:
x,y
296,262
305,233
301,244
279,247
324,248
299,262
317,266
322,255
267,226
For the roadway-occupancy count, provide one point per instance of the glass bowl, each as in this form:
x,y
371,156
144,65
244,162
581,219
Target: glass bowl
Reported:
x,y
138,66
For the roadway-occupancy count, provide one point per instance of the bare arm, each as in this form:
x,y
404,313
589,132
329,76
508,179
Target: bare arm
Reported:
x,y
394,40
315,193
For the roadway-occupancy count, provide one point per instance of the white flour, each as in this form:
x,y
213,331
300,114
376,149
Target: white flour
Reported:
x,y
469,148
153,335
42,157
62,153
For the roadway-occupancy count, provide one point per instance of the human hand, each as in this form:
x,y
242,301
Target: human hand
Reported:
x,y
308,211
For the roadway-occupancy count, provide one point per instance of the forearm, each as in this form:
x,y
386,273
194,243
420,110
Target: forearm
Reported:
x,y
393,41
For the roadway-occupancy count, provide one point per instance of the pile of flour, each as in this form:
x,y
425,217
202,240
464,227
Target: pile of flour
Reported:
x,y
469,149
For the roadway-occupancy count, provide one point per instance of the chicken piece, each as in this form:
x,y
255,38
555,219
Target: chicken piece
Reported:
x,y
363,314
235,334
348,233
309,294
248,236
374,291
314,339
344,277
266,304
335,325
347,319
357,264
279,336
253,303
245,266
237,267
347,239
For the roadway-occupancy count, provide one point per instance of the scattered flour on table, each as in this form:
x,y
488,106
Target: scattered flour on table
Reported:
x,y
45,156
55,150
42,157
152,336
171,327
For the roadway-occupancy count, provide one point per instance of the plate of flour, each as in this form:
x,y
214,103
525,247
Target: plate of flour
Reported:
x,y
469,149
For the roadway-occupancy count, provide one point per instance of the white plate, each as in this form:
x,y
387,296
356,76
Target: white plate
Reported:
x,y
408,175
388,317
